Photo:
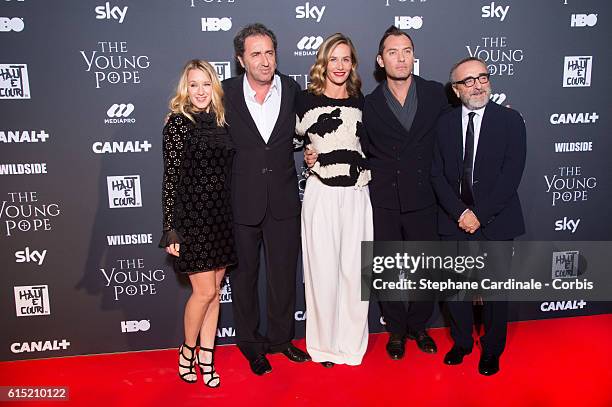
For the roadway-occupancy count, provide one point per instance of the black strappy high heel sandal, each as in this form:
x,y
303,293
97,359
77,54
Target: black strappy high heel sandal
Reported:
x,y
191,365
210,372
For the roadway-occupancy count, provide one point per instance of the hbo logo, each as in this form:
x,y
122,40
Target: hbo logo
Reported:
x,y
406,23
135,326
216,24
11,24
583,20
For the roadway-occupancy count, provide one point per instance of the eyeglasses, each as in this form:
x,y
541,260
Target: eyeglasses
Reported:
x,y
470,81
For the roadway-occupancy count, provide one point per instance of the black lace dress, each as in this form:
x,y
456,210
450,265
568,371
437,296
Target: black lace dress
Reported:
x,y
196,193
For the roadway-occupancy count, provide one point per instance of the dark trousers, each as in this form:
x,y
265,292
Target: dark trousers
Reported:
x,y
494,313
281,242
393,225
494,319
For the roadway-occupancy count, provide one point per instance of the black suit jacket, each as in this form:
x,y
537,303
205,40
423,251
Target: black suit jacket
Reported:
x,y
498,168
263,175
400,160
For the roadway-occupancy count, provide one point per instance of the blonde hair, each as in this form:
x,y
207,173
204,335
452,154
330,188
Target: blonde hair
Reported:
x,y
318,70
180,103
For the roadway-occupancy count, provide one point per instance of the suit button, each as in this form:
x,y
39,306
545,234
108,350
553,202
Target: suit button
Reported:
x,y
398,172
264,170
393,185
267,148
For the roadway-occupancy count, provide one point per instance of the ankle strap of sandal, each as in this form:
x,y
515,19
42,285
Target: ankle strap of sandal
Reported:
x,y
191,348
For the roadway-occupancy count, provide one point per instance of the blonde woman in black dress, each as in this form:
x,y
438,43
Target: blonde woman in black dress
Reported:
x,y
196,207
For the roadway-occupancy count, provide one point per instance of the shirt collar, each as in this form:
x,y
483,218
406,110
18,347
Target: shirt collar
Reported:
x,y
248,90
479,112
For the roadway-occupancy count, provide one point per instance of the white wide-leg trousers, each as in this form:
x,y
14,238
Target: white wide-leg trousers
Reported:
x,y
334,222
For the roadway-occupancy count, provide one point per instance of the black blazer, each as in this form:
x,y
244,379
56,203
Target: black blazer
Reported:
x,y
400,160
263,175
498,168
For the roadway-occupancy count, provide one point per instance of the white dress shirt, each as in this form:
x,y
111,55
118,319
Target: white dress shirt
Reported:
x,y
477,121
265,114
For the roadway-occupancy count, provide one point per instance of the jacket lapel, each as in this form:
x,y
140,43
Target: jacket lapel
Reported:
x,y
285,108
239,103
379,104
483,140
419,118
458,136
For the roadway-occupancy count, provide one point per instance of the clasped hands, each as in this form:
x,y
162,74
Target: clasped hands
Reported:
x,y
468,222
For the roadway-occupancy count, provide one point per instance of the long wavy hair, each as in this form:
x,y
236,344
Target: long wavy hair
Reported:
x,y
318,71
180,103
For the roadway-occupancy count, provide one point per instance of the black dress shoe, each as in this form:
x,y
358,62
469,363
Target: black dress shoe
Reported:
x,y
395,346
488,365
424,341
327,364
260,365
455,355
294,354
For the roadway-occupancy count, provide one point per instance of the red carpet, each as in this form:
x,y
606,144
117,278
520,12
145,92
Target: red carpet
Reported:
x,y
559,362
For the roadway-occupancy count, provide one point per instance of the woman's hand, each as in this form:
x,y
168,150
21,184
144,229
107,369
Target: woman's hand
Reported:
x,y
173,249
310,156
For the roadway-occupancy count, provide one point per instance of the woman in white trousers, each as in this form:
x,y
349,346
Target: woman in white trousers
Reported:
x,y
336,211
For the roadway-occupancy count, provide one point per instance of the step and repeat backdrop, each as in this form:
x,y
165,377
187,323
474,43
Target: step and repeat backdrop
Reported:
x,y
84,88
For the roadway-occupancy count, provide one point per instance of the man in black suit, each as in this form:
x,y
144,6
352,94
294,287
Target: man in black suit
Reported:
x,y
399,117
261,119
478,164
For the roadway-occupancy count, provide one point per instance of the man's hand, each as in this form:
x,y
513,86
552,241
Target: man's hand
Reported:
x,y
310,156
469,222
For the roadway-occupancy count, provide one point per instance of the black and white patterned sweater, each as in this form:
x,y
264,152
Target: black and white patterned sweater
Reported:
x,y
333,128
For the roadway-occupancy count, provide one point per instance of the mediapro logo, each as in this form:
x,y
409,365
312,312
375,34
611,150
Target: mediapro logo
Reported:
x,y
310,43
120,110
498,98
119,113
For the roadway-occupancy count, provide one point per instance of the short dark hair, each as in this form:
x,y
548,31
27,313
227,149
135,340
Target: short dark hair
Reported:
x,y
392,30
248,31
463,61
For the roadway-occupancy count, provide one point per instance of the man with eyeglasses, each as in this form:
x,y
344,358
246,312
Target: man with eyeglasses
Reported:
x,y
478,163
